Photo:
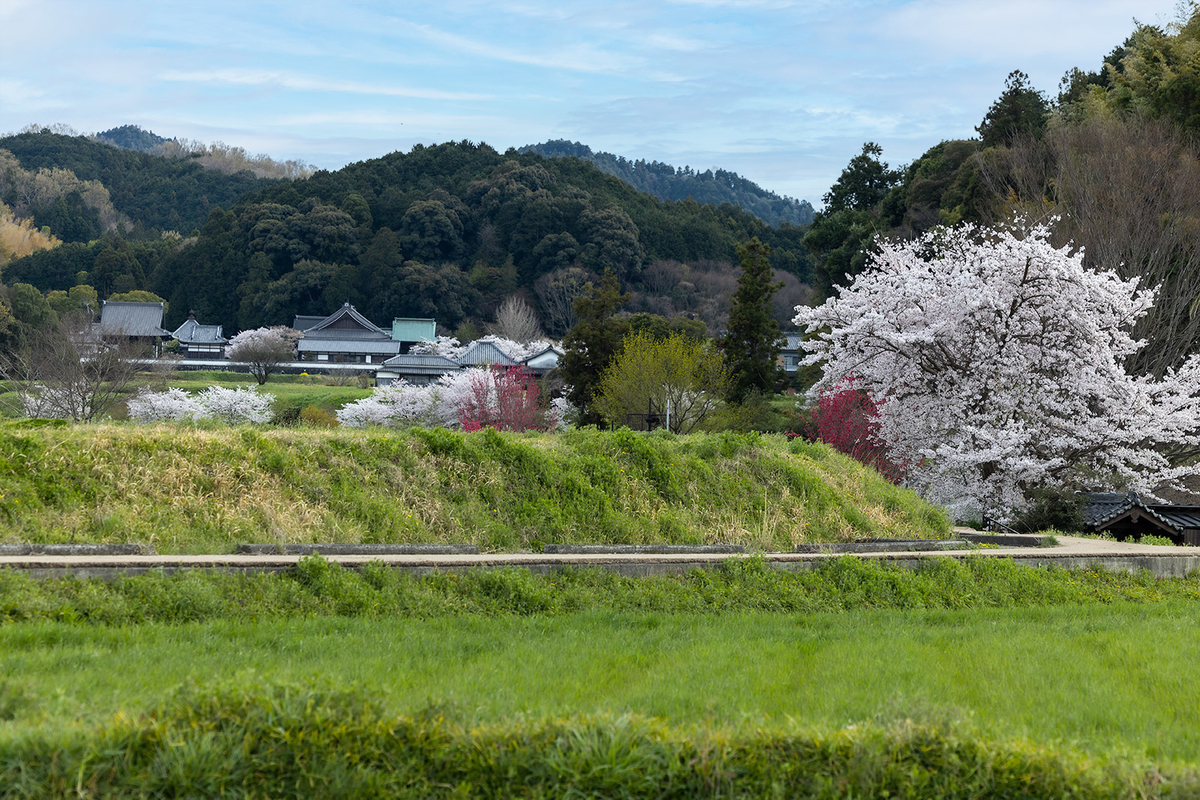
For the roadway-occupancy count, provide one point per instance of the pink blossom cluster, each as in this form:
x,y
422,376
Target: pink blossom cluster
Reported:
x,y
995,360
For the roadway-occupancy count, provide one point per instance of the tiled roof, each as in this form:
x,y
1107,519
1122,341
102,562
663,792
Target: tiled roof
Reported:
x,y
481,353
420,364
303,322
344,320
1101,508
192,332
119,318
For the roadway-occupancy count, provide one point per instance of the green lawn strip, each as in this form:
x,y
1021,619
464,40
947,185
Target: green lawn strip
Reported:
x,y
1109,682
322,588
297,390
188,489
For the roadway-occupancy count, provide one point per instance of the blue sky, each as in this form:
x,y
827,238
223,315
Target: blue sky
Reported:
x,y
783,92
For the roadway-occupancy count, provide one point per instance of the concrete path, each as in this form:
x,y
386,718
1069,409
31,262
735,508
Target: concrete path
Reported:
x,y
1071,552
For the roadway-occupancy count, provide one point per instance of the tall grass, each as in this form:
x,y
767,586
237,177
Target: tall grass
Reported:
x,y
318,588
185,489
315,741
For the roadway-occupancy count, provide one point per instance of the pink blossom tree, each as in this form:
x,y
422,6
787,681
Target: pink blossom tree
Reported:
x,y
996,361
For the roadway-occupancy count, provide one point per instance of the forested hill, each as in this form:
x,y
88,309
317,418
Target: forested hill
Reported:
x,y
446,231
671,183
152,192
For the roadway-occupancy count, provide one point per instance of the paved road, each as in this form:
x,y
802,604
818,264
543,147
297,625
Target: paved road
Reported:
x,y
1070,552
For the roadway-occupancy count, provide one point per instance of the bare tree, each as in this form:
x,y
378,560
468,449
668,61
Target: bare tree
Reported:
x,y
517,321
69,372
1128,192
556,292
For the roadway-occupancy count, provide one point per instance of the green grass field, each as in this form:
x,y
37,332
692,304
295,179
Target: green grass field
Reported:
x,y
980,679
1111,682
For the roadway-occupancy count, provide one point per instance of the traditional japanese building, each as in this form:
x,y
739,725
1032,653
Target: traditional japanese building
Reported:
x,y
136,322
345,336
200,341
1128,516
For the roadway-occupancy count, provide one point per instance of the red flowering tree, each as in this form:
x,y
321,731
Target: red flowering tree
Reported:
x,y
847,419
504,398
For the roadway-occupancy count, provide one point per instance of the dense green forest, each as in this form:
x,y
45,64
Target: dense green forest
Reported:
x,y
447,231
680,183
1112,161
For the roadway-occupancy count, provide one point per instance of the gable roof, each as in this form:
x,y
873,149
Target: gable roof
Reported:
x,y
192,332
346,323
122,318
1102,509
481,353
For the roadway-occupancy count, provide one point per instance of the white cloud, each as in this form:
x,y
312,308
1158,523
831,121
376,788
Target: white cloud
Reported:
x,y
250,77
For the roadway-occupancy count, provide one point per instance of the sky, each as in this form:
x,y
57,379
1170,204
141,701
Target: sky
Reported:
x,y
782,92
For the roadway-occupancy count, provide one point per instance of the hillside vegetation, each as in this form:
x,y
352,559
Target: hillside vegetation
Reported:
x,y
667,182
206,490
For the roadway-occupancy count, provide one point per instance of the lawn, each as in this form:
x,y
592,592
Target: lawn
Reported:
x,y
976,679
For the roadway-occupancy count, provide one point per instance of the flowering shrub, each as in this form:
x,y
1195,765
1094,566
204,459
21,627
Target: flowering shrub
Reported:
x,y
505,398
232,406
847,419
501,397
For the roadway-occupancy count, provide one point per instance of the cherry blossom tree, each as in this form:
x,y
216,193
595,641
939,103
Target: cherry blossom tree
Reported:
x,y
501,397
264,349
996,361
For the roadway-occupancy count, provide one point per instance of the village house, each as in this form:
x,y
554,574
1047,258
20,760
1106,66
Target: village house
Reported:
x,y
200,341
139,323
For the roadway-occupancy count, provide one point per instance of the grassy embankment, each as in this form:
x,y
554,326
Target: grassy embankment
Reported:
x,y
190,489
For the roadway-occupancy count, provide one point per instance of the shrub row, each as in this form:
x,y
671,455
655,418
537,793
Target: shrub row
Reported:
x,y
321,588
305,741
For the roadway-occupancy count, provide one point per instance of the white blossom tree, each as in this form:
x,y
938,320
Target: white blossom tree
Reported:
x,y
997,363
264,349
232,406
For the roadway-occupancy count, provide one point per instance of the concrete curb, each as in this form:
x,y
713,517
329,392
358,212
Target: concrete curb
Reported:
x,y
358,549
883,546
642,549
1071,553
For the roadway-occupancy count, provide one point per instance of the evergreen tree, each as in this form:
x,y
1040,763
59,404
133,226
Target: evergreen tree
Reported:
x,y
751,344
593,343
1020,110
